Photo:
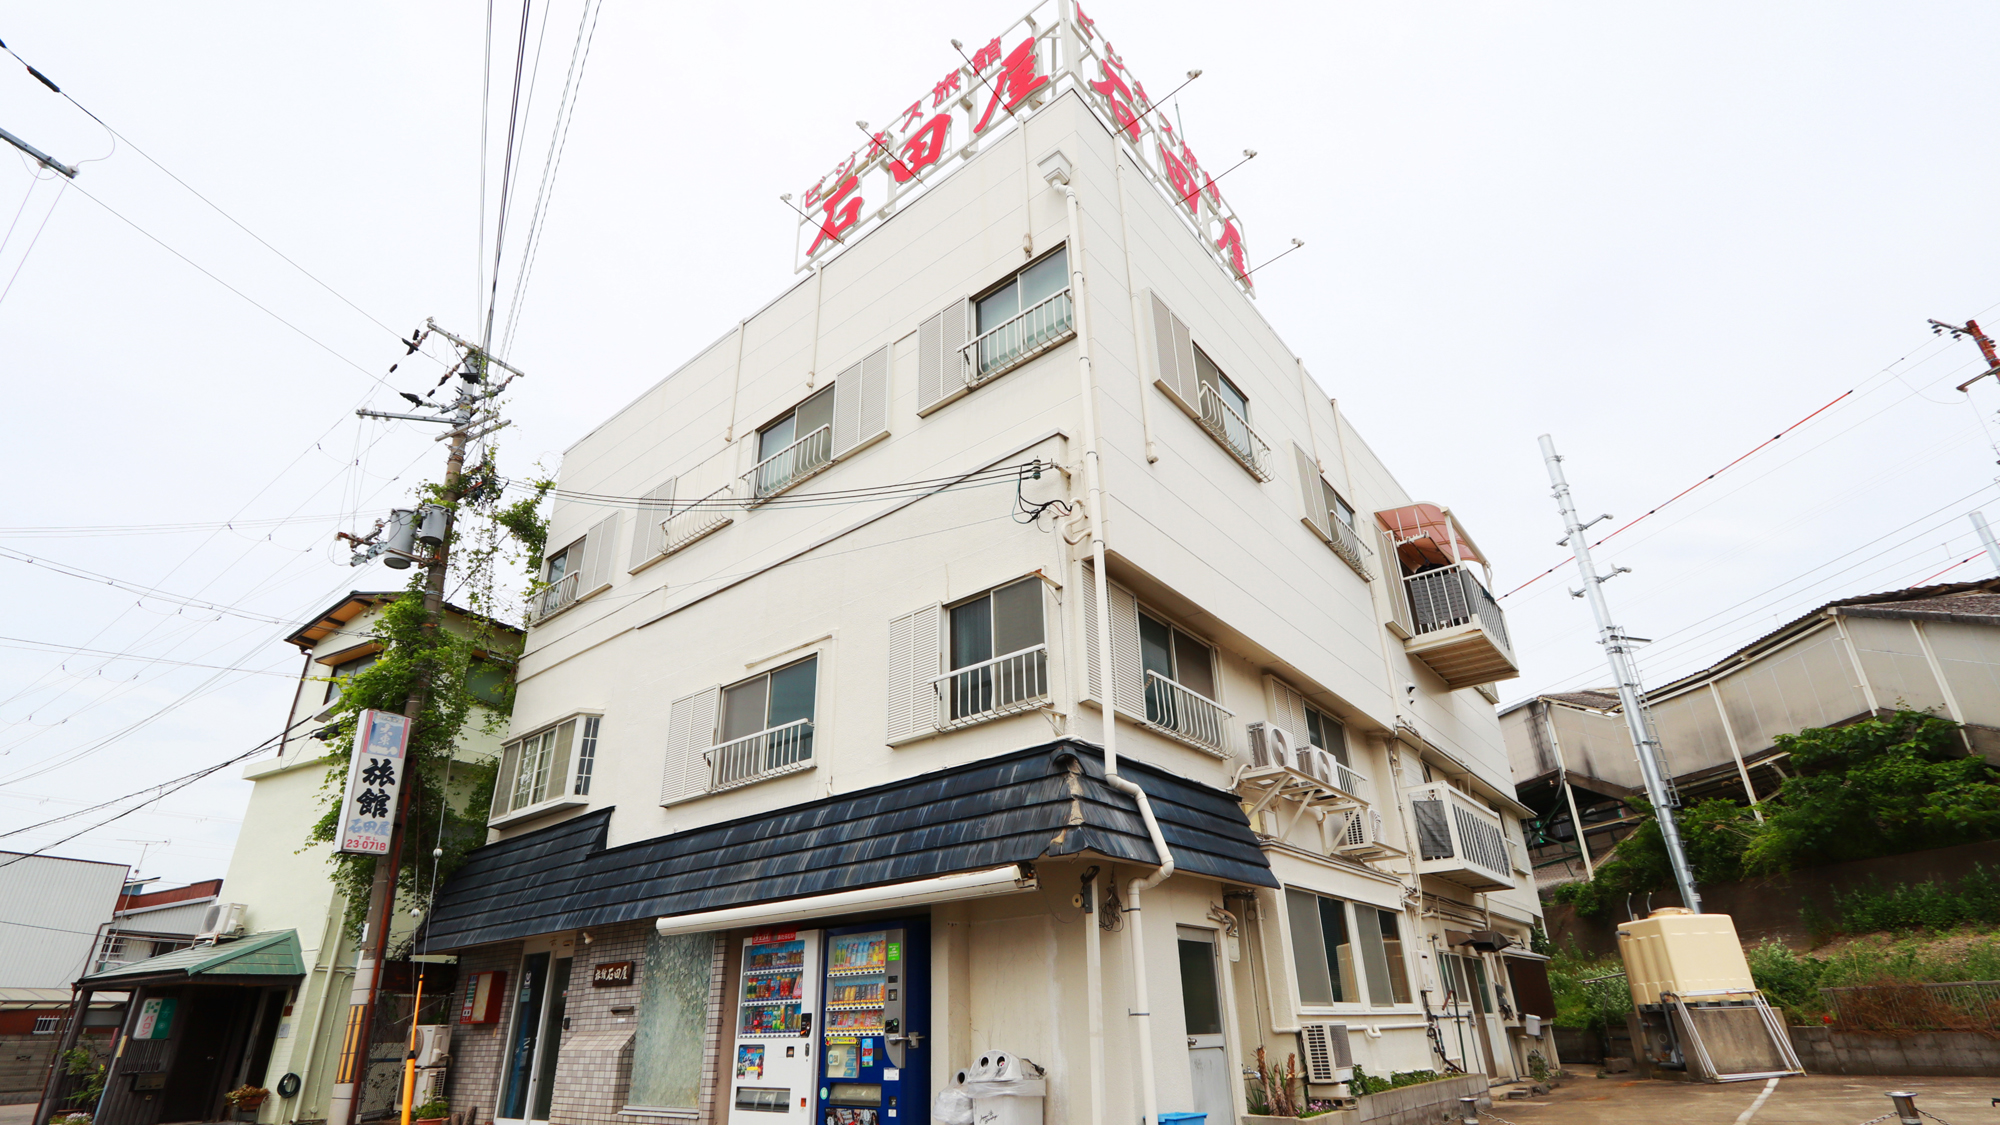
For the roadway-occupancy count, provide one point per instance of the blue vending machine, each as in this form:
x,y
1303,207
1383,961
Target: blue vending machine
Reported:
x,y
874,1065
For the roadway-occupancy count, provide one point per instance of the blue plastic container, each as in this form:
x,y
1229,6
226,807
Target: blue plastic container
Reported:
x,y
1184,1119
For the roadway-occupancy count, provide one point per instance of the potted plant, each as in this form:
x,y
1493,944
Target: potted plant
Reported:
x,y
432,1112
245,1100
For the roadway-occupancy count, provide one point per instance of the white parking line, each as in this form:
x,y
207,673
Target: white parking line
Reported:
x,y
1770,1088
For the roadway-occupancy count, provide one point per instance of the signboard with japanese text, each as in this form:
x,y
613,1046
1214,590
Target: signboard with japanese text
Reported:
x,y
996,85
156,1019
374,778
611,974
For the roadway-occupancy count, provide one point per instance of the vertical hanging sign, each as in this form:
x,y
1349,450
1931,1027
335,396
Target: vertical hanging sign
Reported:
x,y
374,778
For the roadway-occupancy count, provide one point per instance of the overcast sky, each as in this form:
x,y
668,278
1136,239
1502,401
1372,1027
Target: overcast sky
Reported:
x,y
1662,233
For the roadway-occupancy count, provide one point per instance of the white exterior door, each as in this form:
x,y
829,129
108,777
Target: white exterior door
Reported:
x,y
1201,1003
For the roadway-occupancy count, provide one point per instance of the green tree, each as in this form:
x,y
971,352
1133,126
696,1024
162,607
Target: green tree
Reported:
x,y
1714,835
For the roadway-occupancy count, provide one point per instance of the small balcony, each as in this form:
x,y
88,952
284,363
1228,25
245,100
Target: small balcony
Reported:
x,y
1460,839
1457,628
790,465
990,689
1187,716
1235,434
768,753
1014,342
689,522
559,596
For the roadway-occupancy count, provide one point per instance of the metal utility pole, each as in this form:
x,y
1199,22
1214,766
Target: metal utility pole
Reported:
x,y
1986,539
1985,342
471,417
1631,697
41,158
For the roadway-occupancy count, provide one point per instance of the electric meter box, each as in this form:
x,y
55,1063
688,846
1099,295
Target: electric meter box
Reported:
x,y
1676,950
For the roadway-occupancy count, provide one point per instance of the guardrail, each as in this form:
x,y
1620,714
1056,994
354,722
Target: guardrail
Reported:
x,y
1034,330
689,522
792,464
767,753
1971,1005
559,596
1450,596
1233,430
1188,716
1455,832
1003,685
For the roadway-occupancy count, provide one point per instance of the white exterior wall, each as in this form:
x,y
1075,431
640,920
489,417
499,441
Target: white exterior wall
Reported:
x,y
1192,533
50,913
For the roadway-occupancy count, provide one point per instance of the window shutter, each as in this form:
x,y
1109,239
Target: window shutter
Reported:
x,y
690,734
915,653
597,547
649,538
1173,353
930,362
1288,710
1128,676
1087,600
957,333
861,402
1400,620
1311,493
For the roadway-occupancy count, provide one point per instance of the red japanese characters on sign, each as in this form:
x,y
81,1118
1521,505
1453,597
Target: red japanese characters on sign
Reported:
x,y
1055,47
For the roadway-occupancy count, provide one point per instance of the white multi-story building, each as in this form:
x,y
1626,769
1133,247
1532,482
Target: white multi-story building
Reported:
x,y
810,798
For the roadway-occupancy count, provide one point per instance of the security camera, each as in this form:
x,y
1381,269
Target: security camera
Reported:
x,y
1410,689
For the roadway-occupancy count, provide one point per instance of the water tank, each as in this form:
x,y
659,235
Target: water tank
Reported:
x,y
1676,950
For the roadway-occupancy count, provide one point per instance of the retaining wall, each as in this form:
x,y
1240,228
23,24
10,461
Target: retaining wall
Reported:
x,y
1943,1054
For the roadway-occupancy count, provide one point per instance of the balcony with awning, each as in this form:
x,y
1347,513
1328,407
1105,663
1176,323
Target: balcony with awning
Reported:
x,y
1443,607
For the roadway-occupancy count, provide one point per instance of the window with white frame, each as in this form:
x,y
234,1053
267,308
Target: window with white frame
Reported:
x,y
1160,675
1330,515
548,769
1346,952
576,571
46,1025
1196,383
344,671
1021,316
766,725
1327,733
1176,666
999,653
794,446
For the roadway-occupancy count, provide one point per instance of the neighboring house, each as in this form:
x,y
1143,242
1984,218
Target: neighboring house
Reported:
x,y
805,797
53,915
149,923
1932,649
269,988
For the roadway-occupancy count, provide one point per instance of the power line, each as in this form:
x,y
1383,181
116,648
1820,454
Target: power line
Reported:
x,y
136,588
80,531
50,646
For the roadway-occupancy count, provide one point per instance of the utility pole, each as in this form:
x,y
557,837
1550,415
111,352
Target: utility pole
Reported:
x,y
1631,697
1985,342
472,416
40,157
1986,539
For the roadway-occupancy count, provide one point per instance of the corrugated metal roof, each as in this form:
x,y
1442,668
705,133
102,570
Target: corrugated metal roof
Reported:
x,y
272,953
1045,801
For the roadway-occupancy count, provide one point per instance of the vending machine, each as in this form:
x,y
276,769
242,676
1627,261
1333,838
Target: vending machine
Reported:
x,y
873,1069
777,995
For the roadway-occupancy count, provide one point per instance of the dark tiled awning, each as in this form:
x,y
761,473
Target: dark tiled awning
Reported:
x,y
1046,801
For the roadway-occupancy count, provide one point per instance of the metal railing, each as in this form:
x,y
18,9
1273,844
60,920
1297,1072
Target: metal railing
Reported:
x,y
559,596
1188,716
1450,596
689,522
767,753
1018,681
1338,774
1233,430
1347,544
1037,328
792,464
1970,1005
1452,826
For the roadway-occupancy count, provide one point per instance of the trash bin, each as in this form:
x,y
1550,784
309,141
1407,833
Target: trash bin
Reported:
x,y
1183,1119
1000,1088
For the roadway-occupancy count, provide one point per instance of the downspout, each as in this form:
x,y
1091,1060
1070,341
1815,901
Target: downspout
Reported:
x,y
1057,173
1138,314
819,290
736,376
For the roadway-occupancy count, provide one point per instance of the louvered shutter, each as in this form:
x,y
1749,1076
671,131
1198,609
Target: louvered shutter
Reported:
x,y
1393,585
1288,710
1311,493
690,734
1173,354
1128,676
1087,600
915,655
930,362
598,544
861,402
649,538
957,334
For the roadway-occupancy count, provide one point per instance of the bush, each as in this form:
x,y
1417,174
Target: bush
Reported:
x,y
1590,994
1365,1083
1714,834
1905,906
1789,980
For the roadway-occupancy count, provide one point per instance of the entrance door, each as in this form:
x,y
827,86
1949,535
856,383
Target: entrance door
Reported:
x,y
1471,1004
1201,1003
528,1081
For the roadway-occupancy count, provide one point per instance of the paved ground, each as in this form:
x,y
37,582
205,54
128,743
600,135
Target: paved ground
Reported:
x,y
1817,1099
17,1114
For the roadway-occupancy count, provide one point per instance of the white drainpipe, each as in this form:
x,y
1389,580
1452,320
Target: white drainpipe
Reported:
x,y
1056,170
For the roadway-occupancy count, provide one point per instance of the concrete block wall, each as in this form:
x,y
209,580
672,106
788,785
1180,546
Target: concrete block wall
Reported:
x,y
1943,1054
478,1050
1426,1104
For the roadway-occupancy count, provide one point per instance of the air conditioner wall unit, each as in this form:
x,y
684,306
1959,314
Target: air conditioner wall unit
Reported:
x,y
430,1084
223,919
433,1044
1362,834
1329,1057
1271,745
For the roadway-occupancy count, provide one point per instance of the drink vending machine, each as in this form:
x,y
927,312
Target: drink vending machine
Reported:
x,y
868,1041
778,993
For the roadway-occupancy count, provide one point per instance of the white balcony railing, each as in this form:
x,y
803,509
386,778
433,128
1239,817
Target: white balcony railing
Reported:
x,y
1450,596
1346,543
1018,681
790,465
1335,772
1037,329
767,753
1235,434
559,596
1459,838
1188,716
687,523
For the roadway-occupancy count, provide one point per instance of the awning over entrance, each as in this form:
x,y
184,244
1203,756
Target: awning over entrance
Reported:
x,y
274,953
1044,802
1429,534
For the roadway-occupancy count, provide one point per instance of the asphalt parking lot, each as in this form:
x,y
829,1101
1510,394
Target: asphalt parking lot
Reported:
x,y
1815,1099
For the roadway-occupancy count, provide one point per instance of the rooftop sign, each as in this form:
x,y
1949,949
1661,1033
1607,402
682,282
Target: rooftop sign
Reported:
x,y
1055,47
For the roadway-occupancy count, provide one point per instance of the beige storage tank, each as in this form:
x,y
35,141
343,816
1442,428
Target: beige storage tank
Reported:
x,y
1676,950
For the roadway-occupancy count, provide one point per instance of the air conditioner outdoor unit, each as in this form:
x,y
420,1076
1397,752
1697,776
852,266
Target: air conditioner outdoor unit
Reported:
x,y
1329,1056
1317,763
223,919
430,1085
433,1044
1271,745
1362,835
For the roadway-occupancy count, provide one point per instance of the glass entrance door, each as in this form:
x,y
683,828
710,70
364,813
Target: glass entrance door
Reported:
x,y
1201,1003
528,1082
